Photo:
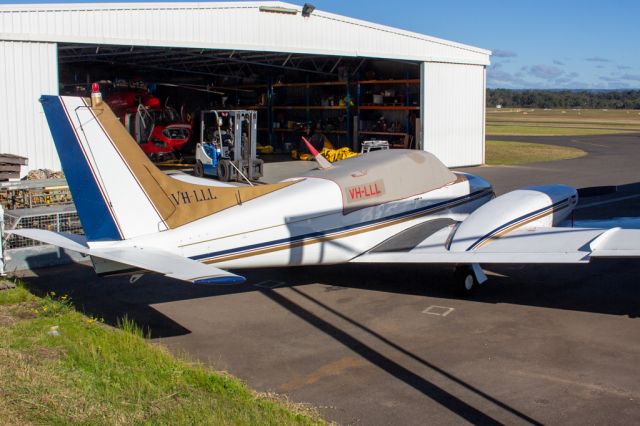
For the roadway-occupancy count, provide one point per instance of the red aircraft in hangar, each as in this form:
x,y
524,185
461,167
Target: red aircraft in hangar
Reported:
x,y
160,130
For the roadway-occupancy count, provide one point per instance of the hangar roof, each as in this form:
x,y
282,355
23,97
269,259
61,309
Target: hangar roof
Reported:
x,y
244,26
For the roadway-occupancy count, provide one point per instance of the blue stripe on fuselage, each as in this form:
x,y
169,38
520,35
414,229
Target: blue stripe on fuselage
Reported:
x,y
96,219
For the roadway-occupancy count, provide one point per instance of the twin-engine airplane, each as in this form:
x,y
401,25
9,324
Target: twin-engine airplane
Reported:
x,y
395,206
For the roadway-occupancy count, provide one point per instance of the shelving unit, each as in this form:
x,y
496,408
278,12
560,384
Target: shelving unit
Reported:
x,y
310,107
389,108
365,132
403,81
350,122
403,102
292,107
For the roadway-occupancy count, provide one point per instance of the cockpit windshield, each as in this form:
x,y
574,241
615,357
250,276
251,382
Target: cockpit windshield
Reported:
x,y
165,116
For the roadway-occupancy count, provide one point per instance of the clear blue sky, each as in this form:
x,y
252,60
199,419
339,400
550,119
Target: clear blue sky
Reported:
x,y
536,44
577,44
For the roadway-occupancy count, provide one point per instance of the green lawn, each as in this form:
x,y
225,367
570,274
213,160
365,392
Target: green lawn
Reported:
x,y
511,152
58,366
560,122
547,130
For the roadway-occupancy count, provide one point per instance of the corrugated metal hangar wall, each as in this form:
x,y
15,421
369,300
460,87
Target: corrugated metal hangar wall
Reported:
x,y
452,75
453,105
27,70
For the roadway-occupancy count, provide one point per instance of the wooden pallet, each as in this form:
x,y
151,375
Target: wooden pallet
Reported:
x,y
10,166
13,159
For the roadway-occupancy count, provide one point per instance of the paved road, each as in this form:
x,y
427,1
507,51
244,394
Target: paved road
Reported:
x,y
397,345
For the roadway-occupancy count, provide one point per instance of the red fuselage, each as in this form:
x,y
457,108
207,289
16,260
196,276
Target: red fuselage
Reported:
x,y
158,130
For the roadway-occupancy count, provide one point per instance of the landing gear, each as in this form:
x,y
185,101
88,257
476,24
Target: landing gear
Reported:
x,y
468,277
464,278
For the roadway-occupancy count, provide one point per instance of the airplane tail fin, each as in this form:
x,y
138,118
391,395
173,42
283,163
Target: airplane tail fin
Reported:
x,y
119,193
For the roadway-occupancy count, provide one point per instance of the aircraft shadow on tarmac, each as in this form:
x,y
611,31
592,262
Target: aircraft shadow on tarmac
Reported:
x,y
113,297
607,287
400,372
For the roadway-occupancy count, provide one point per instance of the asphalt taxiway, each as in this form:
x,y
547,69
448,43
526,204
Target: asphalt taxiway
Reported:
x,y
392,344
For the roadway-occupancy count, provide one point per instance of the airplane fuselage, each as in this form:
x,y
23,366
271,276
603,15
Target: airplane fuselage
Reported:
x,y
307,224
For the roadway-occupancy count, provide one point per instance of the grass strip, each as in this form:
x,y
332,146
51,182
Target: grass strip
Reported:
x,y
561,122
512,152
58,366
549,130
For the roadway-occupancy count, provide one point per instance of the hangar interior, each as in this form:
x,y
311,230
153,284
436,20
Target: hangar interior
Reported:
x,y
345,99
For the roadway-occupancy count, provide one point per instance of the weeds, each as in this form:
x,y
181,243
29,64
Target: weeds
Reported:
x,y
62,367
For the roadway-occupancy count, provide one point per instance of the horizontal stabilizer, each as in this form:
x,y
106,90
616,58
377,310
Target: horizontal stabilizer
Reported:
x,y
169,264
66,241
150,259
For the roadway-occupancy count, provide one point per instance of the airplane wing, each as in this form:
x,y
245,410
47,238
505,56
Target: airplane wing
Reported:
x,y
534,245
518,227
147,258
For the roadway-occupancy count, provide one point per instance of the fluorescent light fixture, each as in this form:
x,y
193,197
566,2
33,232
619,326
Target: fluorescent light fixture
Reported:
x,y
277,9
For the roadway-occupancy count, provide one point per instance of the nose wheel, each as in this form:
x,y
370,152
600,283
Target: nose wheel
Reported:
x,y
468,277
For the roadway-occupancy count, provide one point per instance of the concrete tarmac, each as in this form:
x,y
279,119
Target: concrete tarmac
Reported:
x,y
391,344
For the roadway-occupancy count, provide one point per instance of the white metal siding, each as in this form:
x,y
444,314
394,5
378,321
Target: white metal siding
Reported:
x,y
453,105
27,70
239,26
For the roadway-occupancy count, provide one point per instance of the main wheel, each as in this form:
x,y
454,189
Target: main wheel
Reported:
x,y
465,278
198,170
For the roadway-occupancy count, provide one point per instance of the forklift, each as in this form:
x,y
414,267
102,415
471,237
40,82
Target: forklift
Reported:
x,y
227,147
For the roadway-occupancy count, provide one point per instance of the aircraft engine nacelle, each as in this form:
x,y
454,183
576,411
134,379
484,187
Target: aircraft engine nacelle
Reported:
x,y
534,206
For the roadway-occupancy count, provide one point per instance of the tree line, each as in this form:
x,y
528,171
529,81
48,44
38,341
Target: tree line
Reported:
x,y
610,99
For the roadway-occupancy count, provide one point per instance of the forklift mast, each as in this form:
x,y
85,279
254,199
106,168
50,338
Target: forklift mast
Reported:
x,y
234,134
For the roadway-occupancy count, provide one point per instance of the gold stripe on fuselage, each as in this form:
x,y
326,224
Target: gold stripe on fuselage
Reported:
x,y
516,226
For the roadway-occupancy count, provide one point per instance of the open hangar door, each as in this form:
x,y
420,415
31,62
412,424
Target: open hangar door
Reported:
x,y
344,100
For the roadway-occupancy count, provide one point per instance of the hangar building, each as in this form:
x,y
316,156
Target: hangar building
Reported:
x,y
354,80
